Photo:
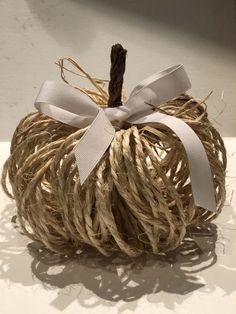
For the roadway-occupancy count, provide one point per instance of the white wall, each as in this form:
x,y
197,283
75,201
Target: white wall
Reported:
x,y
35,33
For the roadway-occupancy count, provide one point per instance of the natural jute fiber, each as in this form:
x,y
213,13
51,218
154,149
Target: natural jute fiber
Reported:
x,y
137,199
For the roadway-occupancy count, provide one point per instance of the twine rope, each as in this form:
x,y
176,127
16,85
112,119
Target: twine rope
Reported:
x,y
138,198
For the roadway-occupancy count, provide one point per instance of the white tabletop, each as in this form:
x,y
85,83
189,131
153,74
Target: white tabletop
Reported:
x,y
185,282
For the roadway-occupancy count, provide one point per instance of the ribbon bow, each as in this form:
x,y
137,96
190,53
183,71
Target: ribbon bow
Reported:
x,y
73,107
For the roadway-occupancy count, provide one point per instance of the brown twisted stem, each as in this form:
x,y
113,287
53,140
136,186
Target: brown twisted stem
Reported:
x,y
118,57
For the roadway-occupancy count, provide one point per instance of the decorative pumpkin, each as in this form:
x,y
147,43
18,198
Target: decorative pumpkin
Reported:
x,y
138,197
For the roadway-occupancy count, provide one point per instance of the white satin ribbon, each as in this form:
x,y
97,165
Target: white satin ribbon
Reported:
x,y
71,106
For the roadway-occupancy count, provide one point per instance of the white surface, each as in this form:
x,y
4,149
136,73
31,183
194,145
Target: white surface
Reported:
x,y
203,282
157,33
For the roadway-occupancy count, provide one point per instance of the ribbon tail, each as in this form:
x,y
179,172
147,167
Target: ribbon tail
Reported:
x,y
199,167
93,145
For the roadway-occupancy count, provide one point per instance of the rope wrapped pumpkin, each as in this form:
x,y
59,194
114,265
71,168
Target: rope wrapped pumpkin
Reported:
x,y
139,196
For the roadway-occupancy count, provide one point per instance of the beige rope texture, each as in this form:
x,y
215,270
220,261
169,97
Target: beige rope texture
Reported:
x,y
138,198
